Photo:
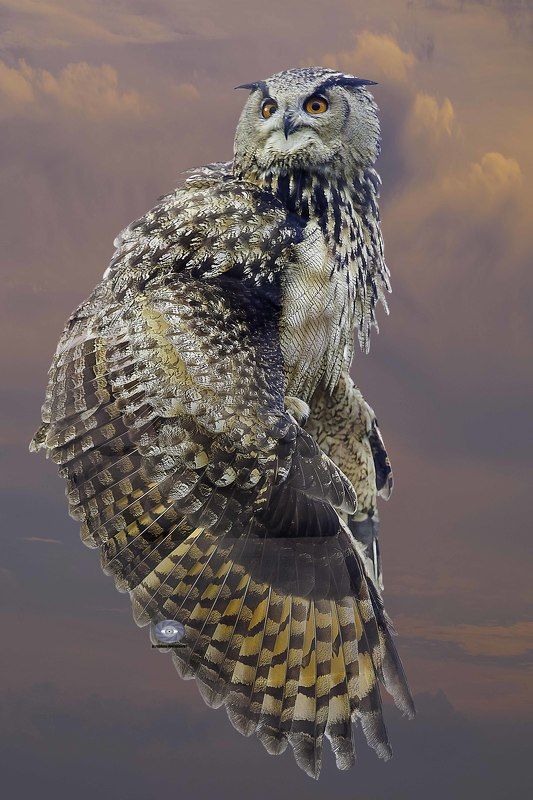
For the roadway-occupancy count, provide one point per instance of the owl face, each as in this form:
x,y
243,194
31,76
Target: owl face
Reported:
x,y
315,119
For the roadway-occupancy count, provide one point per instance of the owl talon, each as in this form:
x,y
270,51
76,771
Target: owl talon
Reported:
x,y
298,408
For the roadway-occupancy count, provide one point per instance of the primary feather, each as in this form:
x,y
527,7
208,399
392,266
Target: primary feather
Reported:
x,y
176,410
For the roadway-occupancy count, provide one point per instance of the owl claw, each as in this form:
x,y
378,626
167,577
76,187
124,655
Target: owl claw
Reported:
x,y
298,408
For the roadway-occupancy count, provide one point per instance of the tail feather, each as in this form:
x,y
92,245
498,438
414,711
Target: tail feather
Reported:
x,y
205,619
303,737
392,673
291,669
269,726
324,655
240,709
339,725
213,665
369,708
296,642
261,688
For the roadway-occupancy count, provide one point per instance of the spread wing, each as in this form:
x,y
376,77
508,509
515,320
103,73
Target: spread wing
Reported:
x,y
212,507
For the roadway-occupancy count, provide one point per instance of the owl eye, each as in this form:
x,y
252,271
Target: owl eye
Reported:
x,y
268,108
316,104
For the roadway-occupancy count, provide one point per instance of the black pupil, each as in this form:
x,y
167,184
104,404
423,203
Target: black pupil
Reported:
x,y
316,106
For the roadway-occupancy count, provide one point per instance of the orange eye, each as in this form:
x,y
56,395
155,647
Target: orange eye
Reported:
x,y
268,108
316,104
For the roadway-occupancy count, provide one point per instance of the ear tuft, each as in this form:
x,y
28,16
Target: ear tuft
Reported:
x,y
254,86
349,81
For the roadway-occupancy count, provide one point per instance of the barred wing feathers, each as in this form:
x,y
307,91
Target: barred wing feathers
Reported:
x,y
211,506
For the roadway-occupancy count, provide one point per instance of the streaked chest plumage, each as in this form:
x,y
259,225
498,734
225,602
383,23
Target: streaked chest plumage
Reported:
x,y
340,273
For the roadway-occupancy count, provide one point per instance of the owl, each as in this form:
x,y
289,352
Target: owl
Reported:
x,y
214,447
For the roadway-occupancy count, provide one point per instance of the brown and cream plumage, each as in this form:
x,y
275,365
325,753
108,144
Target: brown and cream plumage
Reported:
x,y
215,448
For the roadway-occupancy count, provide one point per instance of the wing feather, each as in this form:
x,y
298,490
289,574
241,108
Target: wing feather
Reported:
x,y
165,413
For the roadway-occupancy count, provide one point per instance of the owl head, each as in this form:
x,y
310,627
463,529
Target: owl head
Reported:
x,y
312,119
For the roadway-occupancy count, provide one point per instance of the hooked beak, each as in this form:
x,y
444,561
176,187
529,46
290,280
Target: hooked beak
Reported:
x,y
289,124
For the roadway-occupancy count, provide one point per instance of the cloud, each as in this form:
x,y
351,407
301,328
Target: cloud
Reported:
x,y
474,193
185,92
40,539
427,116
503,641
86,89
517,13
484,203
494,177
15,89
379,55
35,24
79,88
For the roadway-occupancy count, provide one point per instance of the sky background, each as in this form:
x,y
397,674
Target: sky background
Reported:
x,y
102,105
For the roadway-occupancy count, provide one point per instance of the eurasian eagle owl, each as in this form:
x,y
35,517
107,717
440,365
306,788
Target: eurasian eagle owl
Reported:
x,y
214,446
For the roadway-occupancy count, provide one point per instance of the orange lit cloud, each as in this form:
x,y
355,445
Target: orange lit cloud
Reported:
x,y
429,116
495,176
15,89
81,88
379,55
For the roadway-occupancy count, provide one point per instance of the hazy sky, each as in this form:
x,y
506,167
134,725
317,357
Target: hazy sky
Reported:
x,y
102,104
